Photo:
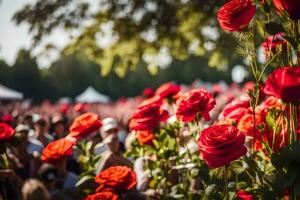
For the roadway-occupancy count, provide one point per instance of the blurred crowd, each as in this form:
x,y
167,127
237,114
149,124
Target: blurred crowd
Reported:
x,y
28,177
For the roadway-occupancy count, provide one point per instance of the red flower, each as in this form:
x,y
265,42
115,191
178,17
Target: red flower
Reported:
x,y
291,7
148,92
235,15
235,110
80,107
273,43
284,83
271,102
148,115
57,149
221,144
103,196
117,178
246,124
167,90
243,195
145,137
84,125
63,108
6,132
194,102
7,118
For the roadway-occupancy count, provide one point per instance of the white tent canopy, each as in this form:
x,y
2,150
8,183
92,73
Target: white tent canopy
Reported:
x,y
9,94
90,95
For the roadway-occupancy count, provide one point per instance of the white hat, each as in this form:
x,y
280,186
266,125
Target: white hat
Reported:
x,y
108,124
22,128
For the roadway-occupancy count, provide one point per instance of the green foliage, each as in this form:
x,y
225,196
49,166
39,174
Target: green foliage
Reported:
x,y
175,25
287,155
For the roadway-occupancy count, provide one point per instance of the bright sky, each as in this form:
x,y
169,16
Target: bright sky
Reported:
x,y
13,37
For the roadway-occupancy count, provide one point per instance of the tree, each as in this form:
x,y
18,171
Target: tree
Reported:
x,y
136,29
5,74
26,76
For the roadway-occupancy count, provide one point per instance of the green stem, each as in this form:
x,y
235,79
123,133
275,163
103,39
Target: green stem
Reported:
x,y
226,182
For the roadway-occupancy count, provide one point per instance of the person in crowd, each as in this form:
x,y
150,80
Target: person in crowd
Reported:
x,y
66,179
10,184
34,190
21,156
109,148
28,120
58,127
48,175
41,131
57,153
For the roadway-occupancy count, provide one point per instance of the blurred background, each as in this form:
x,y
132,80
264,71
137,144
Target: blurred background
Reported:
x,y
57,48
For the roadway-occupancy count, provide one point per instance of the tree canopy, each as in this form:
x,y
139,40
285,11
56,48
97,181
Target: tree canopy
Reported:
x,y
119,35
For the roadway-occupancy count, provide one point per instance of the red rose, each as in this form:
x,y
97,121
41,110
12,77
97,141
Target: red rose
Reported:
x,y
291,7
167,90
221,144
284,83
117,178
103,196
243,195
64,108
246,124
84,125
272,102
7,118
145,137
273,43
80,107
235,15
235,110
57,149
194,102
148,92
6,132
148,115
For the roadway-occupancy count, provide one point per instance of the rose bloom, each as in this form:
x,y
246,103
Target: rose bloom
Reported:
x,y
117,178
167,90
273,43
7,118
145,137
57,150
63,108
246,124
6,132
235,15
272,102
284,83
148,115
221,144
243,195
80,107
194,102
235,110
103,196
84,125
291,7
148,92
